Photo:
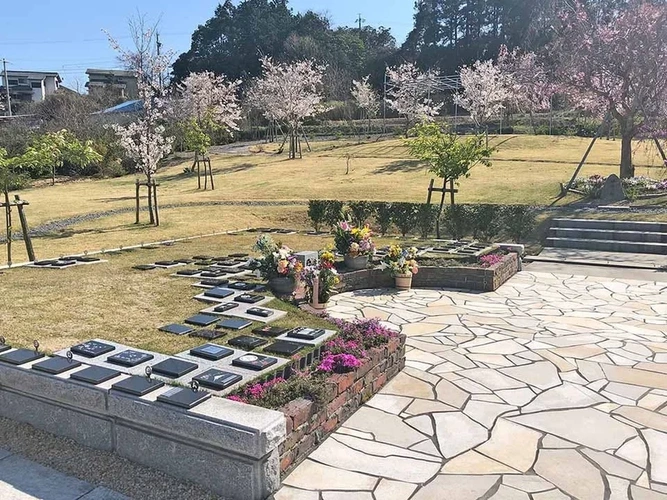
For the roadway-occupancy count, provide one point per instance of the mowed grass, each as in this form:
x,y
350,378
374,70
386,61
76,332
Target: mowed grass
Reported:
x,y
526,169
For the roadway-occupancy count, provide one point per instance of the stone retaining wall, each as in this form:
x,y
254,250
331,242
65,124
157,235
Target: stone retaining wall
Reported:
x,y
227,447
308,425
465,278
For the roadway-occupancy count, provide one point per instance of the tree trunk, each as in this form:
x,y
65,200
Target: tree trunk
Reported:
x,y
8,215
627,168
151,214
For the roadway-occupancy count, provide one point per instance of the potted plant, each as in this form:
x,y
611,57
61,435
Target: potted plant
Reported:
x,y
355,244
401,264
277,265
324,274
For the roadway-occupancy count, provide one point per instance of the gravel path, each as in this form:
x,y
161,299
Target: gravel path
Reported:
x,y
61,224
94,466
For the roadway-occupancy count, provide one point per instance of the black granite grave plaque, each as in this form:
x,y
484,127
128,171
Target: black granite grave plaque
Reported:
x,y
258,311
224,261
214,282
42,263
202,257
176,329
94,375
247,342
63,263
234,324
130,358
174,368
305,333
284,348
20,356
217,379
137,385
218,293
242,285
87,260
3,346
183,398
202,320
56,365
92,349
249,298
208,334
187,272
166,263
184,261
203,263
228,306
238,255
144,267
270,331
213,352
255,362
212,274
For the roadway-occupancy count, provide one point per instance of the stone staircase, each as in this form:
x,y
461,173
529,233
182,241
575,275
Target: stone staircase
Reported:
x,y
609,235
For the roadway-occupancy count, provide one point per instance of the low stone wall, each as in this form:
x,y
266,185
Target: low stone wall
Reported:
x,y
308,425
466,278
227,447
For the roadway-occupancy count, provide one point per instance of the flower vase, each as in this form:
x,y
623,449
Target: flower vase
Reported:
x,y
403,281
283,285
356,263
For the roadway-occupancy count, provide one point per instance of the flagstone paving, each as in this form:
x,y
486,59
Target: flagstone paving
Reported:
x,y
552,387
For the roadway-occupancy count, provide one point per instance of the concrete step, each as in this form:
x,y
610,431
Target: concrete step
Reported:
x,y
611,225
608,245
607,234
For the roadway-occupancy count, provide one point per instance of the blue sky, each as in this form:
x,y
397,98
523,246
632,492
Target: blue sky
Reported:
x,y
66,36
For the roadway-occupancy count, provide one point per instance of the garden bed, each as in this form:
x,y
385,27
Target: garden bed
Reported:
x,y
476,278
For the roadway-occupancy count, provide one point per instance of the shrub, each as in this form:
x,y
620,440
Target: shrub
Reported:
x,y
457,219
427,215
333,212
383,216
486,221
317,211
404,215
278,392
361,211
519,221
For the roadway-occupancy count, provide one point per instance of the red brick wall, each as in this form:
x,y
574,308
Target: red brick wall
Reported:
x,y
308,425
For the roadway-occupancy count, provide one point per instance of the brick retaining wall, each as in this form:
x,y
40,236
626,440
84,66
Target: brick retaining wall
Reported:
x,y
308,425
467,278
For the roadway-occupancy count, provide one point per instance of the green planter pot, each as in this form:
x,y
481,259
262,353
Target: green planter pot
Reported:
x,y
356,263
282,286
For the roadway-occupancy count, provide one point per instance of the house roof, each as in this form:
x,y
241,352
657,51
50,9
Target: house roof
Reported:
x,y
33,74
111,72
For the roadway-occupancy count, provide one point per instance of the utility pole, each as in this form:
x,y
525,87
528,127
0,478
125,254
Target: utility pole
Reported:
x,y
9,101
360,20
158,45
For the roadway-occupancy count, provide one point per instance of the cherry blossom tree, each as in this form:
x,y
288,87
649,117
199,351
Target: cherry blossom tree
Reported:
x,y
144,140
616,65
530,86
366,98
409,93
289,93
486,91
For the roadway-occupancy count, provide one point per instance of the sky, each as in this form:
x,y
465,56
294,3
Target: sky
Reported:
x,y
66,36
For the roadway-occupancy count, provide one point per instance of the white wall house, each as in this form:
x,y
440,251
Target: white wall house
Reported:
x,y
30,85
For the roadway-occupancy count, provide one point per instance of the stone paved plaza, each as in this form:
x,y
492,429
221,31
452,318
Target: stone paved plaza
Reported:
x,y
553,387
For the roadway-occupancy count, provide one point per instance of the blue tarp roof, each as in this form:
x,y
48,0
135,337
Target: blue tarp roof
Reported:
x,y
125,107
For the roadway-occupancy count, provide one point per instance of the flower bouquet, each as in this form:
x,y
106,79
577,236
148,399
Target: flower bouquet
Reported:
x,y
355,244
324,274
401,264
278,265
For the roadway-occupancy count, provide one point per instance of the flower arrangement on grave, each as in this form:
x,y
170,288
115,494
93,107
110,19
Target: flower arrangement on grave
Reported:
x,y
278,265
354,243
402,264
325,274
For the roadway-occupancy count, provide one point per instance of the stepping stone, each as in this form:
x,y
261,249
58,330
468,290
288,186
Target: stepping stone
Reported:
x,y
183,398
56,365
218,379
138,385
572,473
94,375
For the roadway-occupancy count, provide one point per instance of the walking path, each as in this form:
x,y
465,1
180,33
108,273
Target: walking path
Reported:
x,y
553,387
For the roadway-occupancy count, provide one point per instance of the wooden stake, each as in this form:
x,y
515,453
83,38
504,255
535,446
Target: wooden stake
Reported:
x,y
8,220
151,214
210,170
24,228
198,171
157,215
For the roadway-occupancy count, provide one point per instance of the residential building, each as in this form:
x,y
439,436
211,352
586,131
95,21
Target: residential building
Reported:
x,y
29,86
123,83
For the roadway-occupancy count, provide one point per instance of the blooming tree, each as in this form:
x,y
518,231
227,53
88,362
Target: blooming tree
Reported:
x,y
144,140
289,93
486,90
616,65
409,93
211,98
366,98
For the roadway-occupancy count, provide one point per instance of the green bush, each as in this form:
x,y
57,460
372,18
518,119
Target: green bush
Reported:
x,y
404,215
519,221
317,211
457,221
427,215
383,214
486,221
333,212
361,211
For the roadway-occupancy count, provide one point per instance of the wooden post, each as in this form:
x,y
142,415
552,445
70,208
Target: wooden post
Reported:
x,y
157,215
24,228
430,191
316,292
581,164
8,220
660,150
151,214
205,174
452,190
136,218
198,171
210,170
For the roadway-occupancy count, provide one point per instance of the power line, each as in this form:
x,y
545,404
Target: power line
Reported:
x,y
85,40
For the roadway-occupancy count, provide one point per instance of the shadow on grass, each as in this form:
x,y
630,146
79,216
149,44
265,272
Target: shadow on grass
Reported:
x,y
400,166
242,167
